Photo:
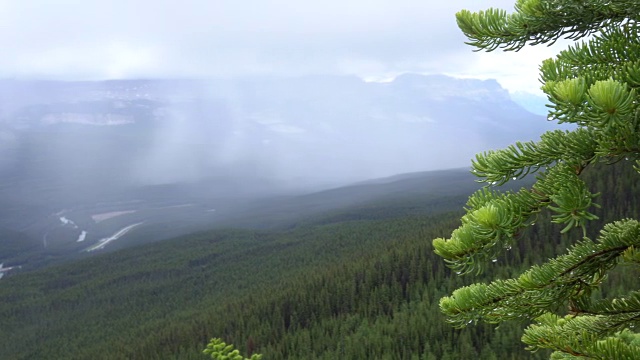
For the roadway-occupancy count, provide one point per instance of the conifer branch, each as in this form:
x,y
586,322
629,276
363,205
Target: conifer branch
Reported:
x,y
543,288
592,85
543,22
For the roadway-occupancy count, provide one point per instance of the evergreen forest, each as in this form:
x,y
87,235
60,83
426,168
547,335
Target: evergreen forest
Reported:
x,y
361,282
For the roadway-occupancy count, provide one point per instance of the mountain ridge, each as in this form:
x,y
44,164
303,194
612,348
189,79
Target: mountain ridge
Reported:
x,y
283,127
188,151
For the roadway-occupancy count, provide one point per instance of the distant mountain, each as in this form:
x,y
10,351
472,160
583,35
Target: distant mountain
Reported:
x,y
176,155
299,130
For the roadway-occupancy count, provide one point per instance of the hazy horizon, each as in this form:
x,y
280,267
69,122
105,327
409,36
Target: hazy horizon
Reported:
x,y
76,40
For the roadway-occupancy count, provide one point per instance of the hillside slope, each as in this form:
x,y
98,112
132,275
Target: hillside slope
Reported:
x,y
341,285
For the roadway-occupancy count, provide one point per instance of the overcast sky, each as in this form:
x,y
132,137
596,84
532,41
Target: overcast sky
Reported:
x,y
375,39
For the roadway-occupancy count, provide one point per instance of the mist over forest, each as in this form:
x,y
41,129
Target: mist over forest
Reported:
x,y
137,197
271,174
195,151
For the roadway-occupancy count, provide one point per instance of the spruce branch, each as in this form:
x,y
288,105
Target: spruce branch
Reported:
x,y
544,288
537,22
592,85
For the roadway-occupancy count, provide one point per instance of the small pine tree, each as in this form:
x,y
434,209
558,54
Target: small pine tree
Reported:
x,y
592,84
219,350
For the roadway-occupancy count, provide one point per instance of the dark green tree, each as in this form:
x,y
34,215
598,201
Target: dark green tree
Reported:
x,y
593,84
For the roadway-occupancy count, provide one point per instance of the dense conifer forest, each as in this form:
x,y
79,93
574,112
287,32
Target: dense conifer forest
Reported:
x,y
358,283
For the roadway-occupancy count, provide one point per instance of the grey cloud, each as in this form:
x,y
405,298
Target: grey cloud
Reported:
x,y
106,39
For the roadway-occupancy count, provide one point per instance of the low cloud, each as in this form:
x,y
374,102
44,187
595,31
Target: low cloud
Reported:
x,y
75,39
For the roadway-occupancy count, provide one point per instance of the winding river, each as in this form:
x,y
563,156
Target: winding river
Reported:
x,y
104,241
